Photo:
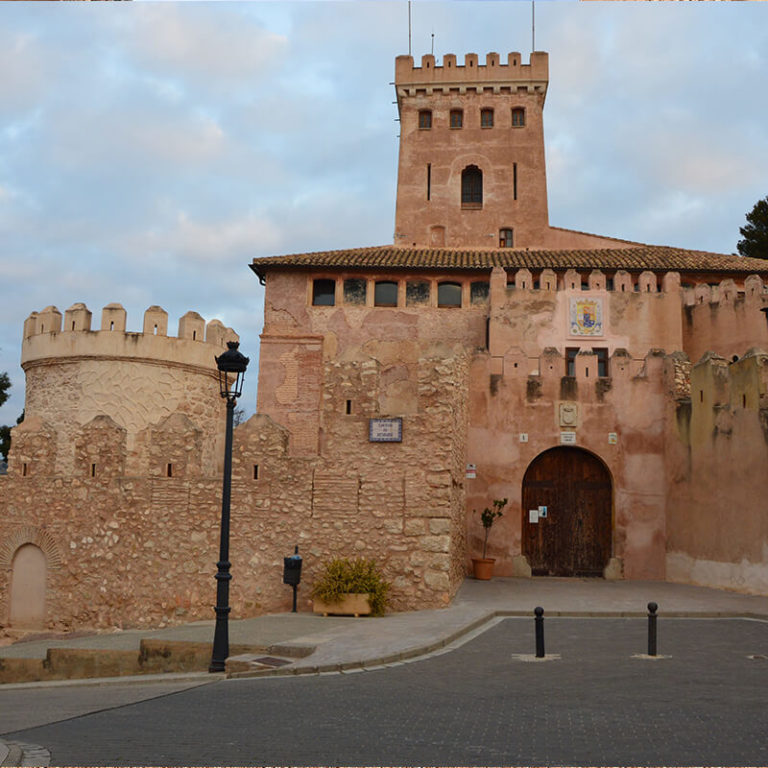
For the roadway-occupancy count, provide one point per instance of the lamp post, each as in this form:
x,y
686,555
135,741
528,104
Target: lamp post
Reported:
x,y
231,365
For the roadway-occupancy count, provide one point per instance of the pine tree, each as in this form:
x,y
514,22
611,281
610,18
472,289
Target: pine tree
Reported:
x,y
755,233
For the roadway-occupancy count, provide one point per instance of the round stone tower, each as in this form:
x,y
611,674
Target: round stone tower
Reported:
x,y
75,374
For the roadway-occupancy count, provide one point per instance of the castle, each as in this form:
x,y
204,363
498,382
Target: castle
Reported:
x,y
615,392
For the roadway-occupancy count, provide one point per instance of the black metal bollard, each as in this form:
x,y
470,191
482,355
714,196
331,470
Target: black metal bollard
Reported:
x,y
539,621
652,608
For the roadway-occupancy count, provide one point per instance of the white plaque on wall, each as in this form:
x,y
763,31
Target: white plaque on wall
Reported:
x,y
567,438
385,430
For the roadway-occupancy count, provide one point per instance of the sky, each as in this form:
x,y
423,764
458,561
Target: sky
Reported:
x,y
150,150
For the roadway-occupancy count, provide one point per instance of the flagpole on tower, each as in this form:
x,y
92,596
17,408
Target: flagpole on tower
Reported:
x,y
409,27
533,25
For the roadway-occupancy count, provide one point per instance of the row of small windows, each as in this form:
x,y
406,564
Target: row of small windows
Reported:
x,y
386,292
456,118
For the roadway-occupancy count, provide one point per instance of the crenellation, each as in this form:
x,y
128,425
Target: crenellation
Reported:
x,y
113,318
622,282
31,325
523,279
670,282
49,320
597,280
192,326
753,287
155,321
77,318
572,280
536,72
647,282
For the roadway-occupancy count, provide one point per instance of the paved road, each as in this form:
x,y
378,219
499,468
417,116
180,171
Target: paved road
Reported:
x,y
476,705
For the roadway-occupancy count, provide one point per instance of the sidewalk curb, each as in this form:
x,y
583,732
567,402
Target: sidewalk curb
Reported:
x,y
411,654
18,753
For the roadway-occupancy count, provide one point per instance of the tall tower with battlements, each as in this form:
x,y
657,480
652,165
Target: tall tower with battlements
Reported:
x,y
471,171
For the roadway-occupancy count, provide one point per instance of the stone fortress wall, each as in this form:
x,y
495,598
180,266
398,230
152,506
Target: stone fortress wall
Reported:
x,y
124,503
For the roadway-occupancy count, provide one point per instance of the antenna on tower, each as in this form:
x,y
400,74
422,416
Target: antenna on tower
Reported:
x,y
433,42
409,27
533,25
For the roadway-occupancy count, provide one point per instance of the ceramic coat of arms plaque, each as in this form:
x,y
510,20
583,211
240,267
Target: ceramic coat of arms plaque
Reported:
x,y
586,317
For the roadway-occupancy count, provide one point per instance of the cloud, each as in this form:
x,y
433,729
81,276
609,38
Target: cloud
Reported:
x,y
225,49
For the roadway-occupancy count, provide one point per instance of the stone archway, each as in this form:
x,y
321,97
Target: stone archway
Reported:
x,y
28,577
575,537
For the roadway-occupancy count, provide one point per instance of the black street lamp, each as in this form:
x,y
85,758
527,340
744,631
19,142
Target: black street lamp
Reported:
x,y
231,365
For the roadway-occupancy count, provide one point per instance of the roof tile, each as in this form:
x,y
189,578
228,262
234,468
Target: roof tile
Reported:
x,y
631,258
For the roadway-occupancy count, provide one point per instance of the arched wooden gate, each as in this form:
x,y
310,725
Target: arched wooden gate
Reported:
x,y
574,538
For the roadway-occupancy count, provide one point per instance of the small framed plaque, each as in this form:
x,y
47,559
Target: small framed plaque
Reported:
x,y
385,430
567,438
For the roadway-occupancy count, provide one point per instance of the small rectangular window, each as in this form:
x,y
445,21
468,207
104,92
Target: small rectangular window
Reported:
x,y
93,470
349,408
602,360
416,292
449,295
486,118
255,471
457,118
425,119
323,293
385,294
24,469
506,238
570,360
429,180
355,290
478,292
169,470
518,117
514,181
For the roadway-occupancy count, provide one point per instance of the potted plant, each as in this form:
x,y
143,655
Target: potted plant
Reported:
x,y
483,566
350,588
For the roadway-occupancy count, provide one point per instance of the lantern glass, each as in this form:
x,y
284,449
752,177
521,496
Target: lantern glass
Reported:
x,y
232,365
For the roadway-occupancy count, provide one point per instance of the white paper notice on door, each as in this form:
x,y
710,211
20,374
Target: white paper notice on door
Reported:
x,y
533,515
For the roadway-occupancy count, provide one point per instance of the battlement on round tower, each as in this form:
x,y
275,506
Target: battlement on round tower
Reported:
x,y
49,337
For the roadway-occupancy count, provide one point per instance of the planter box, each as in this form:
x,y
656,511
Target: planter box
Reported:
x,y
349,605
482,568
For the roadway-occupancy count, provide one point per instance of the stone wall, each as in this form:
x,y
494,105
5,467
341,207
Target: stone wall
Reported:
x,y
717,526
139,549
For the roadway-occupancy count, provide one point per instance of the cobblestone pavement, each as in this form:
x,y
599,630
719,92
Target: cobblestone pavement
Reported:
x,y
600,703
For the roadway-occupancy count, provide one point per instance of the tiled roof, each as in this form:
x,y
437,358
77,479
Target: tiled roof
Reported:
x,y
631,258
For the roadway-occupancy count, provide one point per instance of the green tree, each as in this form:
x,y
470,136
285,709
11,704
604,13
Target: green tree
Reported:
x,y
5,438
755,233
5,431
5,385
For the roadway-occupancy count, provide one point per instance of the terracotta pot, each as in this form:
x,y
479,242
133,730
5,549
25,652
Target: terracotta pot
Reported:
x,y
352,604
482,567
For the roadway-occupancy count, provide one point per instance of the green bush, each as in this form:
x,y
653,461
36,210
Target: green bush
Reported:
x,y
342,575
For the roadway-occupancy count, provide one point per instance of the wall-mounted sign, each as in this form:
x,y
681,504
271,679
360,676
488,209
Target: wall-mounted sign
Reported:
x,y
471,471
533,515
385,430
567,438
586,317
523,437
542,511
613,438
